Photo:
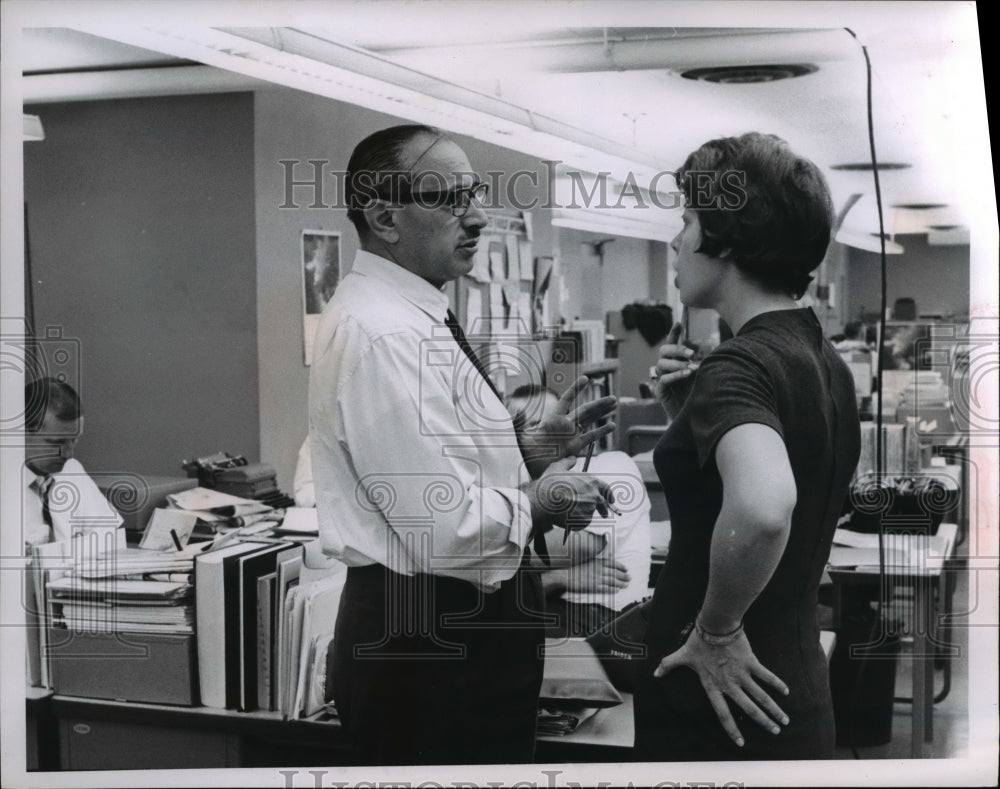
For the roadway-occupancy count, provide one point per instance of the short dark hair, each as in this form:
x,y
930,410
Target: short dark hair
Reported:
x,y
49,395
852,330
765,204
373,165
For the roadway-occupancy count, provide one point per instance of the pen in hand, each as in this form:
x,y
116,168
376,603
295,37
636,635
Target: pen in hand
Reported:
x,y
586,467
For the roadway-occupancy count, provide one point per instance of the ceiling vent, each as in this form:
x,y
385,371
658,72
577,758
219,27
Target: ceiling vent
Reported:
x,y
747,75
863,167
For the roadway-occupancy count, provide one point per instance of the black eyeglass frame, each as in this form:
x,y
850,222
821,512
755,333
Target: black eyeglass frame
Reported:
x,y
458,199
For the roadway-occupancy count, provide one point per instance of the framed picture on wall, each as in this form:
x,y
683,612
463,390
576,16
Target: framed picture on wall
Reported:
x,y
320,276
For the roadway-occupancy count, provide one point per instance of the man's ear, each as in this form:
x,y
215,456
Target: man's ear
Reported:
x,y
381,219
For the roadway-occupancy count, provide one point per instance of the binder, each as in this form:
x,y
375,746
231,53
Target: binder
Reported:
x,y
251,567
265,639
217,622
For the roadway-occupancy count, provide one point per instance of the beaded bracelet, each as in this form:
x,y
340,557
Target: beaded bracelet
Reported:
x,y
718,639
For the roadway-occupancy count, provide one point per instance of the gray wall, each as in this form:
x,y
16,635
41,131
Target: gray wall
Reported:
x,y
141,225
633,270
937,277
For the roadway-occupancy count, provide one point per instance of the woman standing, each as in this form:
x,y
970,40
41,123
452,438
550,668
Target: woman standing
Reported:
x,y
756,463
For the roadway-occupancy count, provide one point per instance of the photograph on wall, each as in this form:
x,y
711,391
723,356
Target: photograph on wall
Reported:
x,y
320,276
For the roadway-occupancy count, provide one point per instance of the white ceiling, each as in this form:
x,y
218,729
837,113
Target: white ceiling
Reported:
x,y
607,77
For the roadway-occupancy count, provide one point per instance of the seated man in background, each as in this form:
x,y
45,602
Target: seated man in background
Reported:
x,y
53,424
599,571
853,338
302,485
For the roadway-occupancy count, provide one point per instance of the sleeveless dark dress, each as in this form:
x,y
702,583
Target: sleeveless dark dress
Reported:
x,y
781,372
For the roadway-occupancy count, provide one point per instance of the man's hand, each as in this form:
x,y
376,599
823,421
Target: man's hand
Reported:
x,y
565,431
597,575
674,369
568,499
601,576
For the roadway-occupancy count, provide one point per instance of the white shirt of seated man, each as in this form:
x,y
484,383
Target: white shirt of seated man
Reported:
x,y
53,477
607,562
302,484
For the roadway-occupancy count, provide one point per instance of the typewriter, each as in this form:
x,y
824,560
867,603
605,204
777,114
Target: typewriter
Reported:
x,y
232,474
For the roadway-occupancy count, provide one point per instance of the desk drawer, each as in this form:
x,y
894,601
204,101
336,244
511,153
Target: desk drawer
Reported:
x,y
88,744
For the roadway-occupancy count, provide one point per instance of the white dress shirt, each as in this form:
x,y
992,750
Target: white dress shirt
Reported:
x,y
415,461
76,505
627,535
302,482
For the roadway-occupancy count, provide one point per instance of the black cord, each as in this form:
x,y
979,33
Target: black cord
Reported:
x,y
879,461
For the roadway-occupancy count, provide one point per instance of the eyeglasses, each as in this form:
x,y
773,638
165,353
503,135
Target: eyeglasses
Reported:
x,y
458,200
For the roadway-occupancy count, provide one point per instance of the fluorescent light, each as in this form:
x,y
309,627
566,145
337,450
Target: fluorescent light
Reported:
x,y
131,83
33,128
867,242
613,223
300,60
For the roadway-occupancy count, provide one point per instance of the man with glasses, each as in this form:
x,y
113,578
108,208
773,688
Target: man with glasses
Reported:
x,y
420,482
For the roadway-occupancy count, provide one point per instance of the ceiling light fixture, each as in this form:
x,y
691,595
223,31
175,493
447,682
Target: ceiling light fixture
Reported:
x,y
605,222
866,167
749,75
867,242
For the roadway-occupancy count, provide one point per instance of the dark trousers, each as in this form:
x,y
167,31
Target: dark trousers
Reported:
x,y
431,670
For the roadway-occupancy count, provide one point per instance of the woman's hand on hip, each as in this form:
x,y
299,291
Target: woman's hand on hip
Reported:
x,y
731,671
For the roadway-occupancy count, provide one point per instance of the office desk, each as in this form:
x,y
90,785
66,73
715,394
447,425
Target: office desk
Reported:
x,y
923,565
95,734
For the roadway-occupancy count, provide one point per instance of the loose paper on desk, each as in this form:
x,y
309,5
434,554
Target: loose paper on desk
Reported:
x,y
213,503
855,539
300,520
166,526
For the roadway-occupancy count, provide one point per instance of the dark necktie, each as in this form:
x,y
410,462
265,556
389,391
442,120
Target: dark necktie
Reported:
x,y
456,330
44,484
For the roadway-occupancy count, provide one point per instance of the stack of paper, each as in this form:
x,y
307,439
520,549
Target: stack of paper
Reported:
x,y
310,612
47,562
217,512
130,590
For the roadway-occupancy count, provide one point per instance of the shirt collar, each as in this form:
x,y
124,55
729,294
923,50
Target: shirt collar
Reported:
x,y
408,285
